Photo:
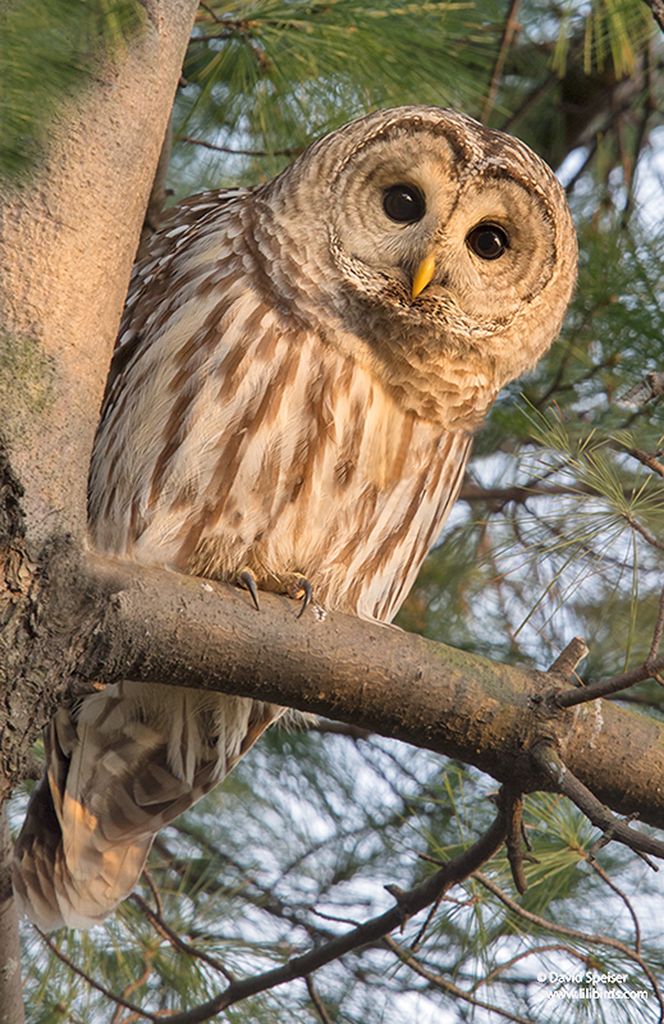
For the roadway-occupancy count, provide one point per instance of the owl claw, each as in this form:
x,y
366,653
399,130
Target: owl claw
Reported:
x,y
248,580
305,585
298,586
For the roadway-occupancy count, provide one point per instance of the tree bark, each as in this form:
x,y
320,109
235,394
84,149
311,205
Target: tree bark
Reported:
x,y
67,244
95,618
163,627
657,8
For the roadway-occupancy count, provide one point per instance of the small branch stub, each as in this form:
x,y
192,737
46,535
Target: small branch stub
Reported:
x,y
570,658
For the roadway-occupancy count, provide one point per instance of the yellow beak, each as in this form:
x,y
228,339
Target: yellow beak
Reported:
x,y
423,275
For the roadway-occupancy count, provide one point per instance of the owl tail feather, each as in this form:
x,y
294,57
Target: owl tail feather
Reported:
x,y
121,764
47,892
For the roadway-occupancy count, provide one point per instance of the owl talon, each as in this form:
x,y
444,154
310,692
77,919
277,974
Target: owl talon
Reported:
x,y
298,586
305,585
248,580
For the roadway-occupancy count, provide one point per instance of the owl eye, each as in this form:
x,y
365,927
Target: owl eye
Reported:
x,y
488,241
404,204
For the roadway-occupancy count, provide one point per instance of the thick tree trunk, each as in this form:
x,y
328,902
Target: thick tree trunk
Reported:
x,y
67,243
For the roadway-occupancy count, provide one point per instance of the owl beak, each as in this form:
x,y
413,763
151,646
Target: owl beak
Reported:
x,y
423,275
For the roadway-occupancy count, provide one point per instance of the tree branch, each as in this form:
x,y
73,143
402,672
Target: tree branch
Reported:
x,y
156,626
241,152
163,928
605,687
408,904
119,1000
509,31
594,810
317,1001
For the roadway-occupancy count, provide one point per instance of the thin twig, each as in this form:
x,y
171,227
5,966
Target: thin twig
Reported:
x,y
568,698
137,983
612,885
417,941
657,632
156,1017
317,1001
407,904
171,936
155,891
571,933
647,536
511,27
647,460
213,14
520,494
231,24
240,152
263,898
443,983
333,917
531,99
567,784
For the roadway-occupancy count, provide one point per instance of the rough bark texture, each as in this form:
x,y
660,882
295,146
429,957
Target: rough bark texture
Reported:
x,y
67,243
657,8
169,628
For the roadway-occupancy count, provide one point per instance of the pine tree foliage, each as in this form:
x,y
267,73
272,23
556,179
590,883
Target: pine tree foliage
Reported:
x,y
559,531
46,52
267,78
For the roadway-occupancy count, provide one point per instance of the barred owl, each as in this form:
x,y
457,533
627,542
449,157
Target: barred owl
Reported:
x,y
291,403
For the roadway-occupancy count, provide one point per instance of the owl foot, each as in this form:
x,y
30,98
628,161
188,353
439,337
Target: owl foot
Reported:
x,y
298,586
247,579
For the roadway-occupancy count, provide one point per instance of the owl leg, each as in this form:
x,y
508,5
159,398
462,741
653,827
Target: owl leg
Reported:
x,y
247,579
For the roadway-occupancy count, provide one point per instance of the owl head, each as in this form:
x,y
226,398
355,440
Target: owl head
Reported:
x,y
446,246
